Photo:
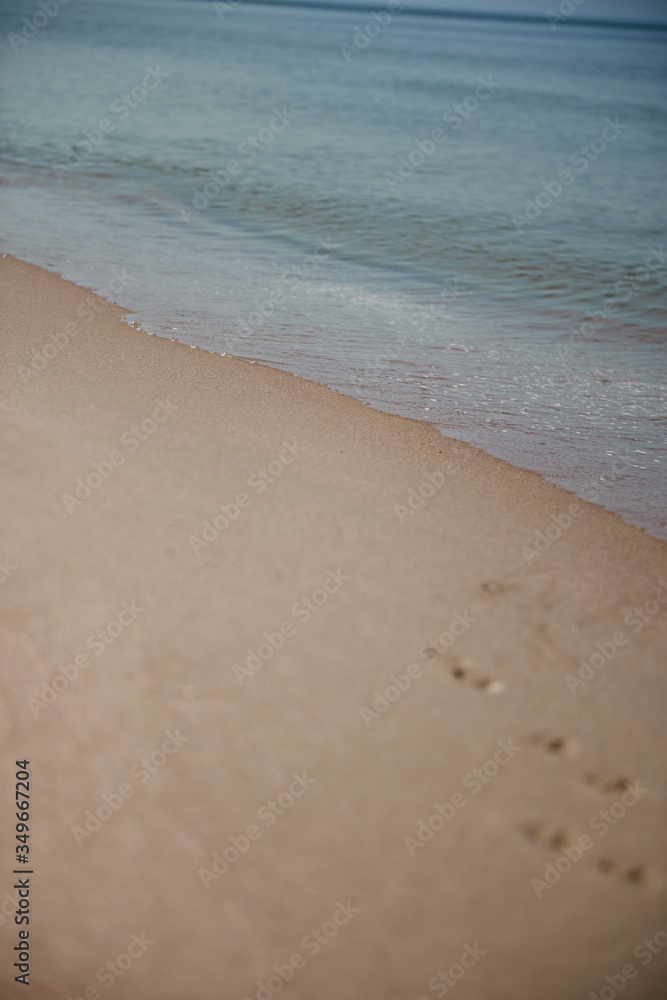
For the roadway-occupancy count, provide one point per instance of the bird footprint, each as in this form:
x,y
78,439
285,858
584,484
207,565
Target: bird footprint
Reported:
x,y
553,743
460,673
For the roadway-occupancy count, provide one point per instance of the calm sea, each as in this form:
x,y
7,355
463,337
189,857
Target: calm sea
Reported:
x,y
456,220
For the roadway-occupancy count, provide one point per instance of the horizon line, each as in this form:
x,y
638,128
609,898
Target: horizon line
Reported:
x,y
454,12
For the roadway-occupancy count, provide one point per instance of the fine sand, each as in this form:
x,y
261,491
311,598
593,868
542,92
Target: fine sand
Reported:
x,y
92,688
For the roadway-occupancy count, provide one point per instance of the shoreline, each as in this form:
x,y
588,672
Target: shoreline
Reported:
x,y
611,468
309,586
593,495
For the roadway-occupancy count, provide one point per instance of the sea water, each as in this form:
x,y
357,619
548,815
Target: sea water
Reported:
x,y
457,220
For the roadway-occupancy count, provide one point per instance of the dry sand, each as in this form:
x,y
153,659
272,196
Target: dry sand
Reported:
x,y
396,582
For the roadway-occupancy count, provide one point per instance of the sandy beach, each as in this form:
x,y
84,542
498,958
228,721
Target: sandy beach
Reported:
x,y
317,703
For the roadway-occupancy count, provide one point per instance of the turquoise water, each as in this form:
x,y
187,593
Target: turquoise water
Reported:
x,y
369,215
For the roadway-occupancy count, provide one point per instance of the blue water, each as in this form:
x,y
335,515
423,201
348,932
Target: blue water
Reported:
x,y
253,204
